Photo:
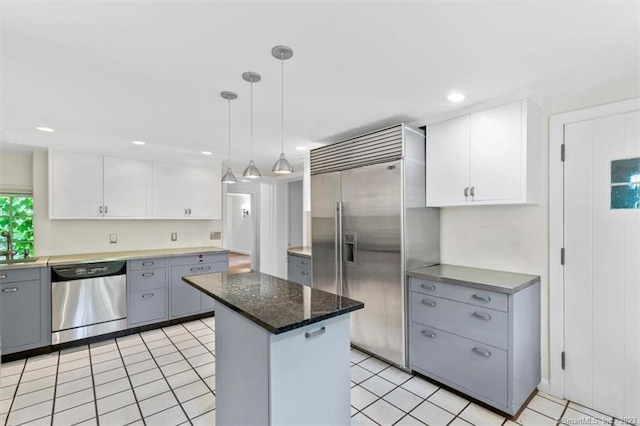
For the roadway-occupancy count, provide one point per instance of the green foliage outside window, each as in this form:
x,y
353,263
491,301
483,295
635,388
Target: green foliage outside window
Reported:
x,y
16,216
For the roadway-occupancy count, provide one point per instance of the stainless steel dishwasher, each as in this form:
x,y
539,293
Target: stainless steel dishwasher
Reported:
x,y
88,300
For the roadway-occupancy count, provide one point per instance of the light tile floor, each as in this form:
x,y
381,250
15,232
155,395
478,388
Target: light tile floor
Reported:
x,y
167,377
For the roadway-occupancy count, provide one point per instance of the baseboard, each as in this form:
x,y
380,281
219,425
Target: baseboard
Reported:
x,y
544,386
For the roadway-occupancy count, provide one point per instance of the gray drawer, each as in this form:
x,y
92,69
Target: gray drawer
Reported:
x,y
206,268
483,298
141,264
484,325
147,279
198,258
15,275
300,275
147,306
471,365
300,262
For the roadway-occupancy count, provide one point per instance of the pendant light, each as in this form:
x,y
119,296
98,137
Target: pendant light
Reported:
x,y
229,177
282,166
251,172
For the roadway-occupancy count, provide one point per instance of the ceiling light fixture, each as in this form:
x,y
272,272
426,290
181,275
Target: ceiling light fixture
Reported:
x,y
456,97
251,172
45,129
138,142
229,177
282,166
207,153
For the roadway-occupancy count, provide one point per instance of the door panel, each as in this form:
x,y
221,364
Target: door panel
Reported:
x,y
125,187
372,257
325,193
602,271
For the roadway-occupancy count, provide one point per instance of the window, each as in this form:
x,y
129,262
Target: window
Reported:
x,y
625,184
16,216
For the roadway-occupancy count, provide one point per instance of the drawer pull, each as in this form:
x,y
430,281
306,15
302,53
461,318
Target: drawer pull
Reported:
x,y
304,272
195,269
2,277
482,352
148,263
147,295
429,334
205,268
10,290
147,274
428,287
428,302
304,262
485,317
483,298
310,334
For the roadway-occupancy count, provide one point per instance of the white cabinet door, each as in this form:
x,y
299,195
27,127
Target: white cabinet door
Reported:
x,y
496,153
125,187
75,185
170,190
448,162
204,192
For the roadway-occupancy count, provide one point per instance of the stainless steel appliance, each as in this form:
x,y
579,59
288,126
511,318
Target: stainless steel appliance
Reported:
x,y
369,225
88,300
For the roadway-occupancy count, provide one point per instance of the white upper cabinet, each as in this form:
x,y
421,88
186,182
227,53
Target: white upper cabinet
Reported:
x,y
75,185
186,191
487,157
91,186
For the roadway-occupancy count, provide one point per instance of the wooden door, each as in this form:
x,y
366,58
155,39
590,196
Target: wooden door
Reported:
x,y
602,264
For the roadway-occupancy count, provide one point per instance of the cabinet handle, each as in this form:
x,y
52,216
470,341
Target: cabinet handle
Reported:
x,y
100,209
106,209
483,298
428,287
472,192
195,268
205,268
485,317
2,277
466,192
147,295
304,262
429,334
10,290
189,211
147,263
304,272
428,302
310,334
482,352
186,211
147,274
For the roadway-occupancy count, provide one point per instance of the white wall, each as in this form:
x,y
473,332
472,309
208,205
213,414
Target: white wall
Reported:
x,y
16,173
57,237
239,228
255,189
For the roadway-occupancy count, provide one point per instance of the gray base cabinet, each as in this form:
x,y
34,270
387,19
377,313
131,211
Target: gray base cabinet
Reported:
x,y
147,293
483,343
184,299
299,269
25,309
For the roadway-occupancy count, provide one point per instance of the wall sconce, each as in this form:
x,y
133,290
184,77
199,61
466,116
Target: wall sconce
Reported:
x,y
245,210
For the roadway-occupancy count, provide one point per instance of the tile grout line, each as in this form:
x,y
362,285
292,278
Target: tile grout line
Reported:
x,y
194,368
55,389
93,387
135,397
24,366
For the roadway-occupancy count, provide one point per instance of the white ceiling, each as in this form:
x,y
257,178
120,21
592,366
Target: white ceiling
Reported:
x,y
103,74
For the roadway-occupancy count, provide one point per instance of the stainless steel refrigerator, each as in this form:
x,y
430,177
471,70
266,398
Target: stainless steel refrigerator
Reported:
x,y
369,226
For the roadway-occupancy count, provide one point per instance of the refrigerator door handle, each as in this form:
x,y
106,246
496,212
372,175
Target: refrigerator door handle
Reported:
x,y
337,240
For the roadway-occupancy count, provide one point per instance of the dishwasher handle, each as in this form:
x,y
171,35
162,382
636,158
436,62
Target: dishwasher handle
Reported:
x,y
85,271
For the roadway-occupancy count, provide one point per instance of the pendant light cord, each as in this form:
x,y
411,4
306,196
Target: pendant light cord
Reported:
x,y
229,101
251,144
282,97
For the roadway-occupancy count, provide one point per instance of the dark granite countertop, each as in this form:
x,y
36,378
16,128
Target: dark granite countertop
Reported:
x,y
484,279
274,304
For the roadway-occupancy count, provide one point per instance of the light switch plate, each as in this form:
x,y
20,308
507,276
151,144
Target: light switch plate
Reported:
x,y
113,238
174,236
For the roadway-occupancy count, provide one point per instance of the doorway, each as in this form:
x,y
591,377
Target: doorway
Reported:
x,y
239,223
600,281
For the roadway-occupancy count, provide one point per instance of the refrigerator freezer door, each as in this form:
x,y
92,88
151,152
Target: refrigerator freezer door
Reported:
x,y
373,273
325,236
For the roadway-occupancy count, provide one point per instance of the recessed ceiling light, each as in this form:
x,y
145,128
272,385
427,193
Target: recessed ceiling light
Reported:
x,y
138,142
207,152
45,129
301,148
456,97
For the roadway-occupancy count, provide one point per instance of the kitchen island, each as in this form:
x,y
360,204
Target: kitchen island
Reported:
x,y
282,350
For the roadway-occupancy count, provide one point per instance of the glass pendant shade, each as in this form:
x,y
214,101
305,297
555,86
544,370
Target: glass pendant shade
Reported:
x,y
229,177
251,172
282,166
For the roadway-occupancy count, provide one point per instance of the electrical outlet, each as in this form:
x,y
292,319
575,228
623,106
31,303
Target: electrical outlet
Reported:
x,y
113,238
215,235
174,236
